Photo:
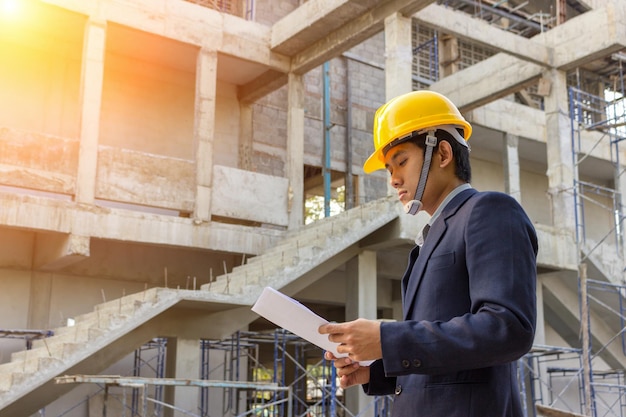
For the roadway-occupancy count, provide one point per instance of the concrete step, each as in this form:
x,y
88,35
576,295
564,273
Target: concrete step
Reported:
x,y
280,262
32,364
6,380
335,225
57,349
81,332
312,235
288,255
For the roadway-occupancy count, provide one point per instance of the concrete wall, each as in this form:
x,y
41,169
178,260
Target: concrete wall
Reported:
x,y
147,107
40,90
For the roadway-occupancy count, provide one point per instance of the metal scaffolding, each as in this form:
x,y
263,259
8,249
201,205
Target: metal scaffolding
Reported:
x,y
143,384
605,114
578,380
29,336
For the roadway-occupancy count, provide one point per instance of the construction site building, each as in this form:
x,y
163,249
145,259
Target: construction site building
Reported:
x,y
163,161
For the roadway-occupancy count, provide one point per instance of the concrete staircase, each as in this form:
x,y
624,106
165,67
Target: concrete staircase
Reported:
x,y
31,371
116,328
305,250
562,302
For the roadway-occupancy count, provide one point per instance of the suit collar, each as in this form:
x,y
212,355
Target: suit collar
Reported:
x,y
415,272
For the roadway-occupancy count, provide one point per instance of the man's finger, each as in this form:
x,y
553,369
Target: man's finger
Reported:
x,y
330,328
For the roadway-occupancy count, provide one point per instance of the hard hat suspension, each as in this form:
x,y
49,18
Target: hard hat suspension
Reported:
x,y
413,206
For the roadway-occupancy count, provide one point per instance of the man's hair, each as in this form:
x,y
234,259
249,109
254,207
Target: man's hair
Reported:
x,y
462,168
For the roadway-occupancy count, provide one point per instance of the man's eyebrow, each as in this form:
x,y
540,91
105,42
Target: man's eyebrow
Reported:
x,y
395,156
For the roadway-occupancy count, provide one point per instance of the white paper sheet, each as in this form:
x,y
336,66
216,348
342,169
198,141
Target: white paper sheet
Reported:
x,y
291,315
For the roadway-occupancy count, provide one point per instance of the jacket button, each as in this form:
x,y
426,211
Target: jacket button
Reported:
x,y
398,389
417,363
405,363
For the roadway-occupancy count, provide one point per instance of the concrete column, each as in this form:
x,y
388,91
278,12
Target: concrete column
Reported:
x,y
511,167
361,287
449,56
245,136
204,131
92,78
183,361
398,60
295,150
361,301
561,170
399,56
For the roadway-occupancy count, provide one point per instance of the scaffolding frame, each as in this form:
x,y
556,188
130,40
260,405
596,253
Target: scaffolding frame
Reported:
x,y
314,391
156,364
143,383
29,336
604,390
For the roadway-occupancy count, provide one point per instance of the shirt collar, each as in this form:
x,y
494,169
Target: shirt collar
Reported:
x,y
444,203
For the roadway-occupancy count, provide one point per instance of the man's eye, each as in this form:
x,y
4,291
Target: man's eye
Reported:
x,y
402,162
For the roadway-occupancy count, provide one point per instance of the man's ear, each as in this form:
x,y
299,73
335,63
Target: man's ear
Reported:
x,y
445,154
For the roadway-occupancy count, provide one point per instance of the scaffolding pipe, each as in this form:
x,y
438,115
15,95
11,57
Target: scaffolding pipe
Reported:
x,y
349,200
586,341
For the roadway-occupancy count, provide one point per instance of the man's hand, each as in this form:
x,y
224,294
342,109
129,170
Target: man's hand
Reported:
x,y
360,339
349,372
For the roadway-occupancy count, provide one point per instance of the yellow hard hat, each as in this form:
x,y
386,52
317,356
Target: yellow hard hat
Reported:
x,y
410,112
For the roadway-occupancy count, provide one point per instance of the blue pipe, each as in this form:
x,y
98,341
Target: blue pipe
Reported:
x,y
327,126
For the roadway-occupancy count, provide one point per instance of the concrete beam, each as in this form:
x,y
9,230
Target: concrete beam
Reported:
x,y
45,214
558,248
262,85
511,117
56,251
574,47
594,4
353,33
189,23
490,79
568,47
313,20
479,31
250,41
563,47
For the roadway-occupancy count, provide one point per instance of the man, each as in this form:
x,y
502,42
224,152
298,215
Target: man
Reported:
x,y
469,290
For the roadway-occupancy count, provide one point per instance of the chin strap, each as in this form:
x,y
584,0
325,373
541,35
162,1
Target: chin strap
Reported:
x,y
413,206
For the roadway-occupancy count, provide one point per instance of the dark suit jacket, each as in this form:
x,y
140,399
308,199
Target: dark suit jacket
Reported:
x,y
469,314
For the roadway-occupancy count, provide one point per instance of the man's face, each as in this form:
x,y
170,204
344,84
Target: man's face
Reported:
x,y
404,164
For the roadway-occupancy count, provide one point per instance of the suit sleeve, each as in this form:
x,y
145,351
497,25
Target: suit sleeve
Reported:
x,y
379,384
500,248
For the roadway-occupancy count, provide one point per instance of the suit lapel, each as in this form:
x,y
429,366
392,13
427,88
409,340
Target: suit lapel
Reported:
x,y
415,273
